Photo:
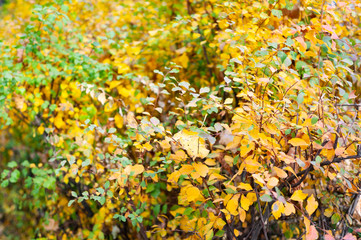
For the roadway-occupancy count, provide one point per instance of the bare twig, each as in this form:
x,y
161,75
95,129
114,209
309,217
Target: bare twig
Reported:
x,y
260,213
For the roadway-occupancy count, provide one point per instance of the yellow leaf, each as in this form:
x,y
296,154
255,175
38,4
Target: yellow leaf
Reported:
x,y
178,156
298,142
277,209
272,182
192,193
165,144
312,205
291,170
258,179
174,176
132,122
41,129
219,223
186,169
201,169
235,143
245,149
216,176
147,146
114,84
110,106
289,209
298,196
102,98
329,212
252,197
20,103
245,186
252,165
122,67
280,173
118,121
245,203
232,206
210,162
192,143
184,60
58,122
242,214
134,170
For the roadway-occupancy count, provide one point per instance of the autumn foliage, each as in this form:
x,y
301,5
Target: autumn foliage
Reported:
x,y
180,119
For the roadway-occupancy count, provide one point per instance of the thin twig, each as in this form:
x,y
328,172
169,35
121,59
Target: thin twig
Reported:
x,y
260,213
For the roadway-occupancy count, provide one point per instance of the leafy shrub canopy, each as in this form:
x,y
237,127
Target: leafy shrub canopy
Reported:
x,y
180,119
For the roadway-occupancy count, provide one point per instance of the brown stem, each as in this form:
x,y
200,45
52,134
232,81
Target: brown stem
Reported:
x,y
260,212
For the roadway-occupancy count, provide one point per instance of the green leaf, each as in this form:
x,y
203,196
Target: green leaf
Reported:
x,y
140,219
289,42
277,13
156,209
70,203
112,130
122,218
12,164
300,65
5,183
300,97
287,62
109,193
220,233
314,120
282,56
15,175
85,163
204,90
347,61
100,190
102,200
266,198
335,218
273,45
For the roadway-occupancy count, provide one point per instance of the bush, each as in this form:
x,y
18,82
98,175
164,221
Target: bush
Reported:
x,y
180,119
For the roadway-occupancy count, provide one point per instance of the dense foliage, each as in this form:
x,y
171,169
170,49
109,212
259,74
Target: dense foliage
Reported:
x,y
182,119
